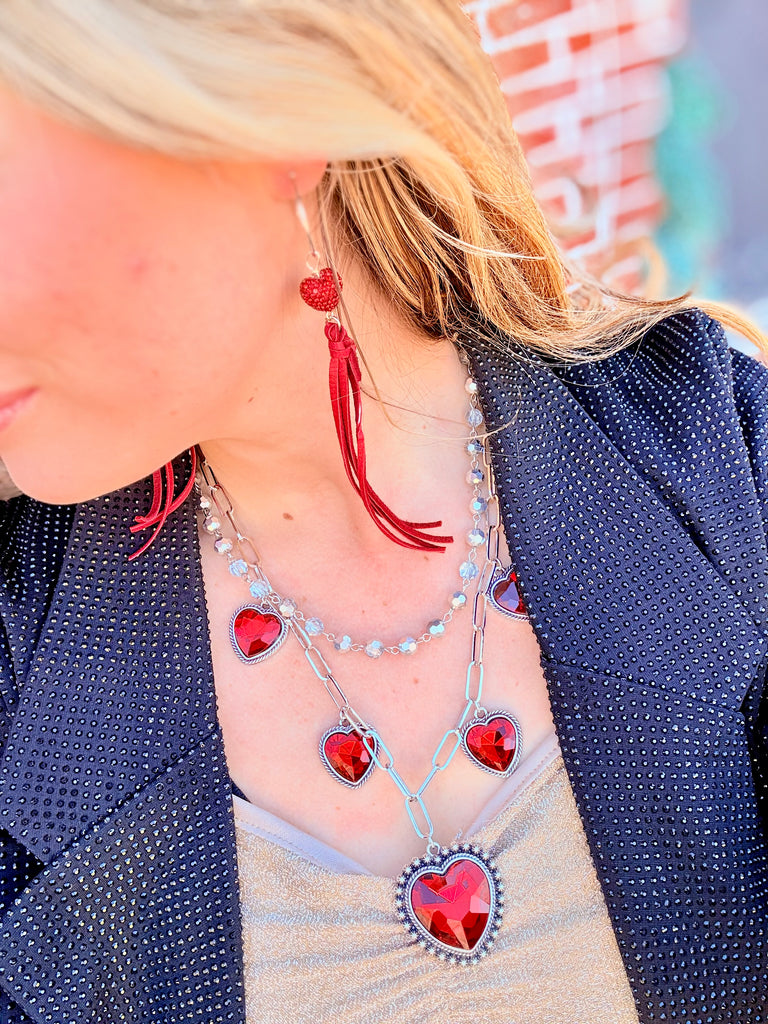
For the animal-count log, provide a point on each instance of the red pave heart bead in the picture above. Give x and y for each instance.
(507, 596)
(454, 906)
(256, 632)
(320, 292)
(493, 743)
(346, 755)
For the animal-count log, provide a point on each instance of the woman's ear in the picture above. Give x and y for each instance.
(296, 176)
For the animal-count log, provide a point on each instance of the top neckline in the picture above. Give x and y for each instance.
(254, 819)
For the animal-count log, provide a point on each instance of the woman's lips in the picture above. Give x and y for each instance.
(11, 404)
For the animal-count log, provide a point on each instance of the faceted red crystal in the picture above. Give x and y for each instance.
(256, 631)
(493, 743)
(347, 755)
(506, 594)
(454, 906)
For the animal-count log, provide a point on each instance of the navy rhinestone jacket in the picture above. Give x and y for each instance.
(635, 500)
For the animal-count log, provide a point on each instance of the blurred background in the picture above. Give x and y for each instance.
(638, 119)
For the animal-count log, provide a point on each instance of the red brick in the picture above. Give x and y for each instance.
(636, 160)
(582, 42)
(639, 59)
(630, 178)
(529, 140)
(511, 17)
(573, 240)
(532, 98)
(521, 58)
(651, 213)
(555, 209)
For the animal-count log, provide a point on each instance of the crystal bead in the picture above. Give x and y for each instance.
(474, 447)
(478, 505)
(258, 589)
(475, 476)
(468, 570)
(223, 545)
(211, 524)
(459, 599)
(407, 646)
(314, 626)
(436, 627)
(374, 649)
(205, 503)
(344, 644)
(474, 417)
(238, 567)
(470, 386)
(475, 538)
(286, 607)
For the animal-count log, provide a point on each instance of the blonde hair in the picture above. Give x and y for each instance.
(425, 185)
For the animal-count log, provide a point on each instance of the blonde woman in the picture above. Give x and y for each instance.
(434, 697)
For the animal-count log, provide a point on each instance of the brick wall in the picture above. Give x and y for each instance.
(586, 89)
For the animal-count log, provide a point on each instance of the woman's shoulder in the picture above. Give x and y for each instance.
(682, 375)
(683, 407)
(688, 351)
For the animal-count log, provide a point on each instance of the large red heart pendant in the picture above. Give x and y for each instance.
(504, 594)
(256, 632)
(492, 741)
(451, 902)
(346, 756)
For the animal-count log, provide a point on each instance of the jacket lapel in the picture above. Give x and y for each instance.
(113, 752)
(649, 601)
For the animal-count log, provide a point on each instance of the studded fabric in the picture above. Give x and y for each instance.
(634, 503)
(634, 494)
(114, 780)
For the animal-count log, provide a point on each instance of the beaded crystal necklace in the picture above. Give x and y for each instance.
(451, 899)
(251, 635)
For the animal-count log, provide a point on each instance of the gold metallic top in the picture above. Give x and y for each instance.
(322, 943)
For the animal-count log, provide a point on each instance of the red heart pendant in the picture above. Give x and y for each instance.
(493, 742)
(346, 756)
(451, 902)
(320, 292)
(505, 596)
(256, 633)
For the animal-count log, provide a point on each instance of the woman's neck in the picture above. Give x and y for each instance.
(280, 460)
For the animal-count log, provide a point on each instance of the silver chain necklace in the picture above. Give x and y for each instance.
(450, 899)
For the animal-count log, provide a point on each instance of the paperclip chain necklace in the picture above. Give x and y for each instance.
(450, 899)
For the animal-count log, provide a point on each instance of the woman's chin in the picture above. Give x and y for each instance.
(53, 488)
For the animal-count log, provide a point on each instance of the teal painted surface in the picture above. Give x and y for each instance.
(697, 192)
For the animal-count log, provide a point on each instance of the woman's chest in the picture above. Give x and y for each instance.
(288, 751)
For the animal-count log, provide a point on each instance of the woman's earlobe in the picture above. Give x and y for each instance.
(297, 176)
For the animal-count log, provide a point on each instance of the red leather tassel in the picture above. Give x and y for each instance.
(159, 512)
(344, 380)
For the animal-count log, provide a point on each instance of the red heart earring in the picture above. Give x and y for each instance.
(322, 291)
